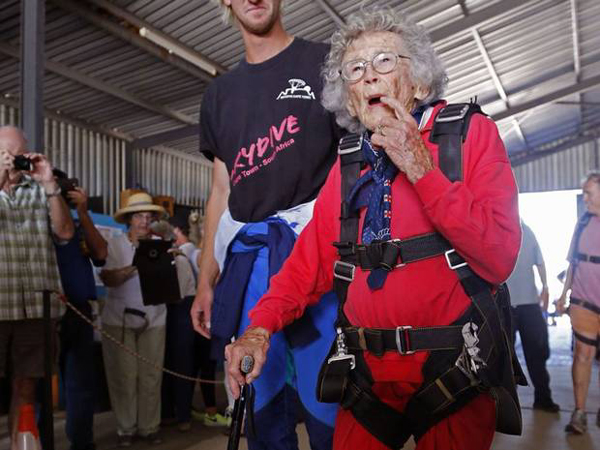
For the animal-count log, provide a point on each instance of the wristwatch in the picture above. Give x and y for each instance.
(55, 193)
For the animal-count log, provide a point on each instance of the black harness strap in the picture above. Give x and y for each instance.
(404, 340)
(585, 339)
(587, 258)
(397, 252)
(585, 304)
(583, 222)
(449, 132)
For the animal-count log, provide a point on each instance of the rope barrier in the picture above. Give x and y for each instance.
(132, 352)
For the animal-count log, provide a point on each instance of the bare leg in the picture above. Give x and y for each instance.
(582, 372)
(23, 393)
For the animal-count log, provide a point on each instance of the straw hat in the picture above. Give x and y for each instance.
(140, 202)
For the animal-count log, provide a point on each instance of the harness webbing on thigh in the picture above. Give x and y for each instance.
(590, 307)
(454, 376)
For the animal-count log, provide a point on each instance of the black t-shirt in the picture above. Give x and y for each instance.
(266, 123)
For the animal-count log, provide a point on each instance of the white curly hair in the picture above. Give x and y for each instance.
(427, 69)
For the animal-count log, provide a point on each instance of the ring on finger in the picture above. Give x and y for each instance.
(380, 129)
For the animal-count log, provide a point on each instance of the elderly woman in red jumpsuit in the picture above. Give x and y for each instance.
(383, 79)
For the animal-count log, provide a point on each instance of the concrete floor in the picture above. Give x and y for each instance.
(541, 431)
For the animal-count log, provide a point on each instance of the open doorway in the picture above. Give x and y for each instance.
(552, 217)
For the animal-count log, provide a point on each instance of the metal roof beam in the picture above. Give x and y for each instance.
(101, 86)
(132, 37)
(576, 88)
(576, 53)
(475, 19)
(167, 136)
(331, 12)
(139, 23)
(497, 83)
(90, 126)
(525, 157)
(493, 73)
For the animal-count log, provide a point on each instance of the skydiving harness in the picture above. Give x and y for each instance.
(470, 356)
(578, 257)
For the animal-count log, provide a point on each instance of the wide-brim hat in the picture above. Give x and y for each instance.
(139, 202)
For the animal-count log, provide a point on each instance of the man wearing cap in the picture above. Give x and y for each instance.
(134, 386)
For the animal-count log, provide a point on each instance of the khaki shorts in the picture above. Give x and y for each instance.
(22, 347)
(585, 321)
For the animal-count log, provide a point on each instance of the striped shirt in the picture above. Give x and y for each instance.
(27, 256)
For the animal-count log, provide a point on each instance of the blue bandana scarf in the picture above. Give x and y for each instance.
(374, 190)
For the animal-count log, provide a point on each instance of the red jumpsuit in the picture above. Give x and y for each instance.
(478, 216)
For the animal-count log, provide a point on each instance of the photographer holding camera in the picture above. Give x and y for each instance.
(76, 360)
(33, 215)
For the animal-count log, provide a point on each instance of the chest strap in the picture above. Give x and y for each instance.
(587, 258)
(405, 339)
(393, 253)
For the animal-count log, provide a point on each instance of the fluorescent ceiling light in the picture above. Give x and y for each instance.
(174, 47)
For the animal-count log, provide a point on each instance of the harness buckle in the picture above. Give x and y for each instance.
(453, 266)
(451, 118)
(344, 271)
(396, 243)
(348, 146)
(403, 340)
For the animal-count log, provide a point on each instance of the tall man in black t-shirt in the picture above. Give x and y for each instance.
(273, 145)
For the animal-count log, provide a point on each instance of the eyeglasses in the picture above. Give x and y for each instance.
(382, 63)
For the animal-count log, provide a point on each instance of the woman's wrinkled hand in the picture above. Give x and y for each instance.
(401, 140)
(255, 343)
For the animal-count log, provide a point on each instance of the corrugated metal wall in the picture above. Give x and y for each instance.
(165, 172)
(98, 161)
(563, 170)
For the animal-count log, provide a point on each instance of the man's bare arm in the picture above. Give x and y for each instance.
(116, 277)
(208, 269)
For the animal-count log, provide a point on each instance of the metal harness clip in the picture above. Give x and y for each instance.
(344, 271)
(402, 340)
(341, 353)
(455, 266)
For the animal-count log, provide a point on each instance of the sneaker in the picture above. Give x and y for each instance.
(216, 420)
(548, 406)
(197, 415)
(578, 423)
(124, 440)
(153, 438)
(184, 426)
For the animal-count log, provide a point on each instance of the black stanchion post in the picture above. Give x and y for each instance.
(47, 431)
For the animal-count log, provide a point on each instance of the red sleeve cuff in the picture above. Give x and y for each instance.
(432, 186)
(265, 320)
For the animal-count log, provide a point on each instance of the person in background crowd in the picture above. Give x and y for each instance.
(134, 386)
(186, 351)
(269, 164)
(583, 283)
(451, 241)
(76, 360)
(528, 318)
(33, 214)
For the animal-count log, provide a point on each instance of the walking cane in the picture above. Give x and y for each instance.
(240, 406)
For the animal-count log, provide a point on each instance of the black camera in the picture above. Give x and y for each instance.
(66, 185)
(22, 163)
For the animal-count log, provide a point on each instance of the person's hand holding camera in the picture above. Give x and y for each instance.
(41, 172)
(78, 198)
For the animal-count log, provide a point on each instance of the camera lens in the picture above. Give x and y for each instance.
(22, 163)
